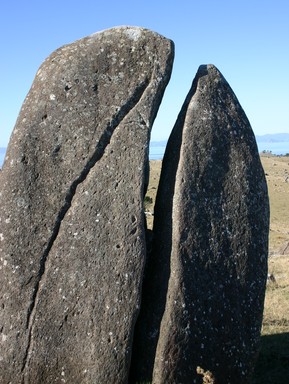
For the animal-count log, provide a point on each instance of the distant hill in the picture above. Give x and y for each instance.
(273, 138)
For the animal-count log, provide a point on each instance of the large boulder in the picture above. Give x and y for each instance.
(205, 282)
(71, 222)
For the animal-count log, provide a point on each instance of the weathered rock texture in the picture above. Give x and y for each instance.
(72, 227)
(205, 284)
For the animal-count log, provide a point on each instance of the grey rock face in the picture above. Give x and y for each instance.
(208, 282)
(72, 225)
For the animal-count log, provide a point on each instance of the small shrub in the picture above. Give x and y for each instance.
(147, 201)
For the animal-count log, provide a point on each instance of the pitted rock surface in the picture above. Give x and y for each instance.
(72, 225)
(206, 285)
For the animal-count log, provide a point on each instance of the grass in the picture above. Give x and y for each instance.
(150, 198)
(277, 175)
(273, 363)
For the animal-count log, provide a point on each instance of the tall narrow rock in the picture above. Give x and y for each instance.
(72, 231)
(209, 265)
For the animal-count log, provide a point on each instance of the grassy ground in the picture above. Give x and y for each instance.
(277, 175)
(155, 171)
(273, 363)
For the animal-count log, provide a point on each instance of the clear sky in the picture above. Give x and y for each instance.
(247, 40)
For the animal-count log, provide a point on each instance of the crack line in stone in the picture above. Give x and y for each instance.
(103, 142)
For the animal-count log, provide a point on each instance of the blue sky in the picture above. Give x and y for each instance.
(247, 40)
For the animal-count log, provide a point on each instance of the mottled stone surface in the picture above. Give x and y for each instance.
(72, 234)
(207, 275)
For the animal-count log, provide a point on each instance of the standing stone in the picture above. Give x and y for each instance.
(71, 223)
(209, 265)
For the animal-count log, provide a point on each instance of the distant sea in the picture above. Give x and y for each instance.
(157, 149)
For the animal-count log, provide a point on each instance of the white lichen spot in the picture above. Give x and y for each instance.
(133, 33)
(1, 237)
(4, 337)
(52, 97)
(20, 202)
(63, 374)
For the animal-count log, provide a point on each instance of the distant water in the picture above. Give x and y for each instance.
(157, 152)
(281, 148)
(157, 149)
